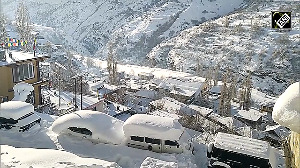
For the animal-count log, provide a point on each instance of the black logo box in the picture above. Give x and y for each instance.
(281, 20)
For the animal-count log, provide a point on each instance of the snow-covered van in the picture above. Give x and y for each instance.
(158, 134)
(18, 115)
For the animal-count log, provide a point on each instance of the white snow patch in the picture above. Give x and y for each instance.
(30, 157)
(287, 108)
(152, 162)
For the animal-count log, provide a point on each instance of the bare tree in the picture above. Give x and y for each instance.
(23, 24)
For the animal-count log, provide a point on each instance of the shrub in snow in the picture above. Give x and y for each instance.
(102, 127)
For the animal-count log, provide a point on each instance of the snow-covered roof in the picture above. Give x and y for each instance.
(278, 129)
(162, 113)
(251, 115)
(244, 145)
(287, 108)
(151, 94)
(18, 56)
(103, 127)
(180, 86)
(153, 127)
(202, 110)
(15, 109)
(173, 106)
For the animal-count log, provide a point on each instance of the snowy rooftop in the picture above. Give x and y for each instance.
(19, 57)
(179, 86)
(146, 94)
(15, 109)
(202, 110)
(153, 126)
(251, 115)
(240, 144)
(103, 127)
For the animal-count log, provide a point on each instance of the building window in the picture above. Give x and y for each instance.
(23, 72)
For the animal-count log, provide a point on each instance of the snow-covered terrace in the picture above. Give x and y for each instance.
(19, 57)
(67, 99)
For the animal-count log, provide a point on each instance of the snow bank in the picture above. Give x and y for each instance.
(153, 126)
(287, 108)
(30, 157)
(15, 109)
(152, 162)
(104, 128)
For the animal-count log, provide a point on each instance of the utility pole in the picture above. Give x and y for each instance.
(81, 92)
(75, 94)
(59, 87)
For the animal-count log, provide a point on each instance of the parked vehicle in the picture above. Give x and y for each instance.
(154, 133)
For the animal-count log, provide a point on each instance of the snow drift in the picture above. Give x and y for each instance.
(104, 128)
(287, 108)
(153, 126)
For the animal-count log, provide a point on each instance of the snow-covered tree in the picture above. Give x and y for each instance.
(23, 24)
(245, 93)
(112, 65)
(2, 29)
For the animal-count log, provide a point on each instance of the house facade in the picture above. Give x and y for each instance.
(16, 67)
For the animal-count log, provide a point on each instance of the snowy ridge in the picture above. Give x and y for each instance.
(137, 26)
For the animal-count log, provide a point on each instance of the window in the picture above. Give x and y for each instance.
(171, 143)
(153, 141)
(23, 72)
(81, 130)
(136, 138)
(156, 141)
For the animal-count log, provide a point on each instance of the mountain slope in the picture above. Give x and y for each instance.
(241, 44)
(135, 26)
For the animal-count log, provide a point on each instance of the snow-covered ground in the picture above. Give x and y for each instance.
(47, 147)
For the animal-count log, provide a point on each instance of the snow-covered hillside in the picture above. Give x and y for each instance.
(137, 26)
(242, 41)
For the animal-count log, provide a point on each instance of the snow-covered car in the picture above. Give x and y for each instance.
(18, 115)
(93, 125)
(158, 134)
